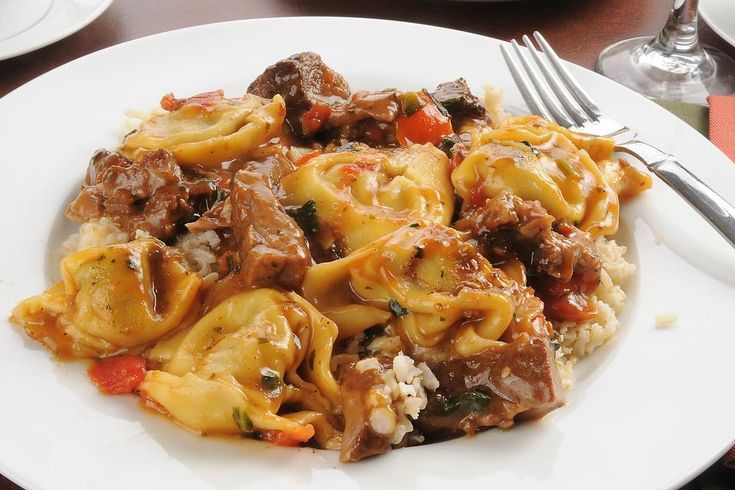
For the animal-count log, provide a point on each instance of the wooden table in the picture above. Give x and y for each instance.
(578, 29)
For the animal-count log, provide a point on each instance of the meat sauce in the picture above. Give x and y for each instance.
(263, 245)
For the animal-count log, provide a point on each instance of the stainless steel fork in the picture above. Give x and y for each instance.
(553, 93)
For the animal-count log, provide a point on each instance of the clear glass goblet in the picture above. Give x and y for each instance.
(673, 65)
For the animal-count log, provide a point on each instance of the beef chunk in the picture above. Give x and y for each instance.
(493, 387)
(564, 267)
(368, 117)
(146, 194)
(219, 215)
(458, 100)
(306, 84)
(359, 440)
(272, 247)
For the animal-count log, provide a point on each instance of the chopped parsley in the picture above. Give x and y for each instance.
(397, 308)
(271, 380)
(233, 265)
(419, 253)
(370, 334)
(411, 103)
(346, 147)
(414, 225)
(242, 420)
(534, 150)
(306, 217)
(469, 401)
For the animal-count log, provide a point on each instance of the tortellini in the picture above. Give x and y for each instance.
(237, 365)
(538, 160)
(427, 282)
(209, 129)
(365, 194)
(111, 299)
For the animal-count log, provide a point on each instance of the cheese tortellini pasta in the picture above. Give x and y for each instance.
(428, 283)
(209, 129)
(111, 300)
(538, 160)
(236, 366)
(365, 194)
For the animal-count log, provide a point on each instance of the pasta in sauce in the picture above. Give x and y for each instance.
(355, 271)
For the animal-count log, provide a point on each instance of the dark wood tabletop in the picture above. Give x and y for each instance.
(578, 30)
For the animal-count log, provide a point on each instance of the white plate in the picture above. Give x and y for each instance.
(720, 16)
(652, 408)
(50, 21)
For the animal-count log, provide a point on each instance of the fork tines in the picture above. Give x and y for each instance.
(553, 93)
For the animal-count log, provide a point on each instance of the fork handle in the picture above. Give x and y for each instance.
(710, 205)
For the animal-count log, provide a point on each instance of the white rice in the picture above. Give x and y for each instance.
(94, 233)
(199, 250)
(402, 395)
(581, 339)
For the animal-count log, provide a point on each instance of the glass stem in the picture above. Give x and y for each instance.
(679, 35)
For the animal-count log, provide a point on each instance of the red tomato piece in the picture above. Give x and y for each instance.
(117, 375)
(288, 438)
(170, 103)
(313, 119)
(427, 125)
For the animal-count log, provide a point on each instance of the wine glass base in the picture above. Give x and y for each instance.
(641, 65)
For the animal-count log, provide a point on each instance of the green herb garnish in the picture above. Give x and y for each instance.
(346, 147)
(306, 217)
(271, 380)
(411, 103)
(242, 420)
(397, 308)
(233, 265)
(370, 334)
(419, 253)
(469, 401)
(534, 150)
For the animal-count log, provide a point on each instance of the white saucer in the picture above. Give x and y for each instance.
(720, 16)
(26, 25)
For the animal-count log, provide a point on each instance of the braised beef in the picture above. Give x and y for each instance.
(562, 261)
(146, 194)
(493, 388)
(309, 87)
(368, 117)
(272, 247)
(458, 100)
(359, 440)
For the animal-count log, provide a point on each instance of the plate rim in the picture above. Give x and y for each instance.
(6, 471)
(67, 31)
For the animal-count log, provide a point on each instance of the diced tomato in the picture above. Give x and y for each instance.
(426, 125)
(477, 196)
(117, 375)
(288, 438)
(170, 103)
(313, 119)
